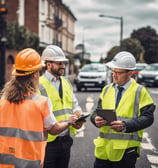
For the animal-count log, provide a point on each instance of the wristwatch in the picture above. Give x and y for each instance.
(124, 127)
(68, 122)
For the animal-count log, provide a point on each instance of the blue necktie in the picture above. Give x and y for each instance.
(119, 95)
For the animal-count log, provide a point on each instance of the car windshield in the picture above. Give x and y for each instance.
(152, 68)
(140, 67)
(93, 68)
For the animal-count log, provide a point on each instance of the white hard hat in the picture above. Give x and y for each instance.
(123, 60)
(53, 53)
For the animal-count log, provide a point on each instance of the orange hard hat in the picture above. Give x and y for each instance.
(27, 61)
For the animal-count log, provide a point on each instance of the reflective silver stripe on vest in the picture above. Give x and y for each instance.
(137, 100)
(43, 90)
(56, 113)
(134, 135)
(62, 112)
(120, 136)
(18, 133)
(107, 87)
(18, 163)
(136, 107)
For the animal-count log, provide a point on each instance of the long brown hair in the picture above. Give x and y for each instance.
(16, 90)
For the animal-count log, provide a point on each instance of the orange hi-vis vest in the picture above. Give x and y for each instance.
(22, 136)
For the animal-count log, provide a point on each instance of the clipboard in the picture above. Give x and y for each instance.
(82, 117)
(107, 114)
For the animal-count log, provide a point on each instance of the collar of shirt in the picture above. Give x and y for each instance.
(53, 80)
(125, 86)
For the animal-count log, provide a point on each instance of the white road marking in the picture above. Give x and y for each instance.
(153, 166)
(147, 145)
(153, 90)
(89, 103)
(89, 106)
(153, 159)
(80, 132)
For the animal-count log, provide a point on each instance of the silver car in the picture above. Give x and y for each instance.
(92, 76)
(149, 76)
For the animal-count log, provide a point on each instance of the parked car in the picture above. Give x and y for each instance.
(92, 76)
(139, 67)
(149, 76)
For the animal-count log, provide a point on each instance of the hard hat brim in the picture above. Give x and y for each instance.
(112, 65)
(61, 59)
(15, 73)
(57, 59)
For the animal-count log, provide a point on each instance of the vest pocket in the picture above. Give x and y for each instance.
(115, 149)
(119, 144)
(100, 148)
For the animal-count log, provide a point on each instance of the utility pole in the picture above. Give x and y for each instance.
(3, 12)
(121, 23)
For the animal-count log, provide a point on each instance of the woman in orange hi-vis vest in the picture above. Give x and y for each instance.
(26, 116)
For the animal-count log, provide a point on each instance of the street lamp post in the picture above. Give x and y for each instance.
(121, 24)
(83, 45)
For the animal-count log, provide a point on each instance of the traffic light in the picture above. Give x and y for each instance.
(3, 9)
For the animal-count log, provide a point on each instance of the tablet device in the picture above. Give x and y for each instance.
(82, 117)
(107, 114)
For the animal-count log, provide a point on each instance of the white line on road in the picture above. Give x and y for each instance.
(153, 159)
(153, 90)
(148, 144)
(153, 166)
(80, 132)
(89, 103)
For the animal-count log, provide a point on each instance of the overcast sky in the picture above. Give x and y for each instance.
(100, 34)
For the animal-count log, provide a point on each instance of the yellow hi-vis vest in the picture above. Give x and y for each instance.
(111, 145)
(62, 108)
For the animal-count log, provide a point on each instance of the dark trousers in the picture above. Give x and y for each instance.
(58, 153)
(128, 161)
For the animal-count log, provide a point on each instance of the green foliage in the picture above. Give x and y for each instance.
(134, 46)
(19, 37)
(143, 44)
(149, 40)
(129, 44)
(112, 52)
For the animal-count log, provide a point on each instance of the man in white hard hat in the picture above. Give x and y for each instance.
(118, 144)
(55, 86)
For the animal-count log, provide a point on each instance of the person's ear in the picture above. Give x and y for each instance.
(36, 75)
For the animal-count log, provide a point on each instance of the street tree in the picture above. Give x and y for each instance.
(129, 44)
(19, 37)
(149, 40)
(134, 46)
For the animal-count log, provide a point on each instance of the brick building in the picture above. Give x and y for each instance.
(51, 20)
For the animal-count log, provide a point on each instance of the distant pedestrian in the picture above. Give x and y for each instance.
(118, 145)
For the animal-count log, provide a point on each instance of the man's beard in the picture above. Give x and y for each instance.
(58, 72)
